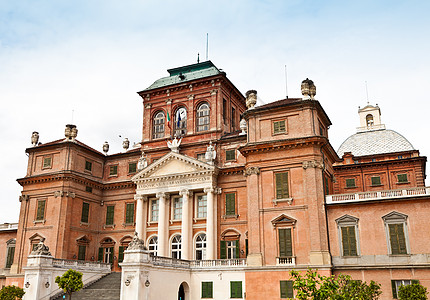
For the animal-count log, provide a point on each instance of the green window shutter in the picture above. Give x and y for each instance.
(237, 249)
(235, 289)
(100, 258)
(10, 256)
(223, 250)
(230, 154)
(349, 243)
(40, 210)
(85, 212)
(290, 293)
(327, 189)
(281, 185)
(402, 178)
(109, 214)
(350, 182)
(230, 204)
(129, 214)
(393, 288)
(207, 289)
(121, 254)
(111, 255)
(132, 167)
(246, 247)
(285, 242)
(397, 239)
(81, 252)
(283, 287)
(376, 180)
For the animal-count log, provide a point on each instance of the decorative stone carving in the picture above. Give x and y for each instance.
(163, 195)
(210, 154)
(209, 189)
(308, 89)
(106, 147)
(70, 194)
(169, 101)
(251, 171)
(312, 164)
(251, 99)
(34, 138)
(143, 162)
(190, 97)
(41, 249)
(148, 105)
(58, 194)
(136, 243)
(71, 132)
(24, 198)
(126, 144)
(214, 92)
(140, 197)
(218, 191)
(243, 126)
(174, 144)
(185, 192)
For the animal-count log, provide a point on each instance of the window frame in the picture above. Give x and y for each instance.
(279, 127)
(40, 217)
(228, 211)
(196, 210)
(207, 286)
(396, 283)
(349, 186)
(87, 215)
(135, 167)
(176, 240)
(206, 118)
(402, 181)
(158, 123)
(113, 170)
(285, 184)
(174, 209)
(182, 130)
(372, 181)
(286, 289)
(127, 211)
(153, 218)
(108, 216)
(396, 218)
(153, 247)
(44, 159)
(10, 254)
(88, 167)
(228, 153)
(344, 222)
(235, 289)
(80, 247)
(203, 247)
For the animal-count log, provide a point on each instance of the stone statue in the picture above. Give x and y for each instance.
(174, 145)
(251, 99)
(210, 154)
(105, 147)
(34, 138)
(308, 89)
(70, 132)
(126, 144)
(142, 163)
(41, 249)
(243, 127)
(136, 243)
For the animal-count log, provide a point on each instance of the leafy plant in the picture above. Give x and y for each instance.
(414, 291)
(70, 282)
(11, 292)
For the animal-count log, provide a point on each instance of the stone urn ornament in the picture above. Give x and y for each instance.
(126, 144)
(243, 126)
(34, 138)
(309, 89)
(251, 99)
(105, 147)
(71, 132)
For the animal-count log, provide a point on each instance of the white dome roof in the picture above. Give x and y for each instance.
(375, 142)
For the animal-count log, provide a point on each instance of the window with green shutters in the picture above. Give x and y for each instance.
(113, 170)
(132, 167)
(235, 289)
(376, 180)
(349, 241)
(121, 253)
(229, 249)
(109, 214)
(230, 204)
(100, 256)
(85, 212)
(40, 214)
(279, 127)
(281, 181)
(10, 256)
(286, 287)
(129, 213)
(350, 182)
(397, 239)
(402, 178)
(285, 242)
(230, 154)
(207, 289)
(88, 165)
(81, 252)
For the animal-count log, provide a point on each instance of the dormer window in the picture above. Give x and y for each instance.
(203, 118)
(369, 120)
(158, 128)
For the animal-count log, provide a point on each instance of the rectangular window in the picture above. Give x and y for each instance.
(177, 208)
(88, 189)
(230, 204)
(132, 167)
(229, 249)
(47, 162)
(154, 210)
(40, 210)
(88, 165)
(113, 170)
(109, 214)
(10, 256)
(81, 252)
(279, 127)
(201, 206)
(285, 242)
(235, 289)
(349, 242)
(207, 289)
(402, 178)
(376, 180)
(230, 154)
(326, 186)
(282, 191)
(201, 156)
(286, 287)
(224, 110)
(350, 182)
(397, 239)
(129, 213)
(395, 285)
(85, 212)
(233, 115)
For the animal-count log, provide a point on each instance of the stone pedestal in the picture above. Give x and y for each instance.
(135, 273)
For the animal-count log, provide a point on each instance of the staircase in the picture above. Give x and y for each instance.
(106, 288)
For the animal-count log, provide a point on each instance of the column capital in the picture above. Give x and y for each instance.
(186, 192)
(251, 171)
(141, 197)
(162, 195)
(209, 189)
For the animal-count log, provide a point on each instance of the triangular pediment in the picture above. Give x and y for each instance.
(283, 220)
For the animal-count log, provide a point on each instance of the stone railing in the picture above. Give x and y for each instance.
(8, 226)
(235, 262)
(370, 128)
(378, 195)
(80, 264)
(286, 261)
(167, 261)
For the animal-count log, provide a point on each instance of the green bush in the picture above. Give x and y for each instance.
(11, 292)
(70, 282)
(414, 291)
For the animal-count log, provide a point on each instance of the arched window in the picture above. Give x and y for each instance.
(176, 246)
(180, 122)
(203, 117)
(369, 120)
(153, 245)
(158, 129)
(201, 246)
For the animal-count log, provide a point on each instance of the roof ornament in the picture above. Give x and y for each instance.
(136, 243)
(174, 145)
(34, 138)
(70, 132)
(126, 144)
(308, 89)
(243, 126)
(210, 154)
(105, 147)
(41, 249)
(251, 99)
(142, 163)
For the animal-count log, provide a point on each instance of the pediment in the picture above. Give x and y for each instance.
(283, 220)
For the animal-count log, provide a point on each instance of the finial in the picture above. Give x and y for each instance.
(308, 89)
(251, 99)
(70, 132)
(125, 144)
(34, 138)
(198, 57)
(243, 127)
(106, 147)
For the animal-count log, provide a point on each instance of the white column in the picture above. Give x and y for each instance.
(140, 216)
(162, 224)
(210, 228)
(186, 229)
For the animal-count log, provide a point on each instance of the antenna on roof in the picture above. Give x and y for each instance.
(207, 46)
(367, 94)
(198, 57)
(286, 82)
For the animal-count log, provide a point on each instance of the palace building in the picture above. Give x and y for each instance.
(221, 199)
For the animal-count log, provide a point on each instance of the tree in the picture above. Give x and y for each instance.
(318, 287)
(70, 282)
(414, 291)
(11, 292)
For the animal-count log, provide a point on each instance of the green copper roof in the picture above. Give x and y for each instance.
(186, 73)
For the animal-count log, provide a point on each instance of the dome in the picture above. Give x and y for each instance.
(374, 142)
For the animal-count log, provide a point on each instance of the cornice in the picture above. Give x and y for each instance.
(378, 164)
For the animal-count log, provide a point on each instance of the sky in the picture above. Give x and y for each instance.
(83, 61)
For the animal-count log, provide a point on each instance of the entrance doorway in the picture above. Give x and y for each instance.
(181, 293)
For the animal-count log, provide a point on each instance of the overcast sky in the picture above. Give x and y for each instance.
(92, 56)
